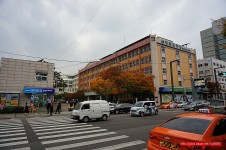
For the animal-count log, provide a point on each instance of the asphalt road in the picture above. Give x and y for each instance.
(60, 132)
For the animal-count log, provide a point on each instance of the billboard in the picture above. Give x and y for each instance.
(28, 90)
(199, 82)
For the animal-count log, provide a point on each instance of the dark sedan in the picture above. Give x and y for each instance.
(194, 106)
(122, 108)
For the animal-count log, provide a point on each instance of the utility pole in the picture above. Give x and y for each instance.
(171, 74)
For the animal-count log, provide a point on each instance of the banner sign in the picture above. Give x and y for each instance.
(177, 89)
(39, 90)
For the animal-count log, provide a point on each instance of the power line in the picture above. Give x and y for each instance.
(82, 30)
(72, 61)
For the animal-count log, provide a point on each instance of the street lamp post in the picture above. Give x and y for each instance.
(171, 74)
(215, 75)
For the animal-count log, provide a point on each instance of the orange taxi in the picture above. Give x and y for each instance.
(191, 131)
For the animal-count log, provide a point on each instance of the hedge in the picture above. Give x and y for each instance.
(13, 109)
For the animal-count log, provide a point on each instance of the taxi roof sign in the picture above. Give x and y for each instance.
(205, 111)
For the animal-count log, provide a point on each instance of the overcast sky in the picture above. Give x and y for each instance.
(87, 30)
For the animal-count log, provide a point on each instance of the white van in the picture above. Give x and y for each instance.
(142, 108)
(93, 109)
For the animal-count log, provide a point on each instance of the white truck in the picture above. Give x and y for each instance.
(93, 109)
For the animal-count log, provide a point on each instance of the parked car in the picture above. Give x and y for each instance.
(194, 106)
(181, 104)
(205, 102)
(218, 106)
(122, 108)
(93, 109)
(142, 108)
(112, 107)
(168, 105)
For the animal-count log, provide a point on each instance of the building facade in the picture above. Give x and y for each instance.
(71, 82)
(24, 81)
(206, 70)
(152, 56)
(213, 42)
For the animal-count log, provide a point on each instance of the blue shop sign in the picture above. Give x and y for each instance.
(38, 91)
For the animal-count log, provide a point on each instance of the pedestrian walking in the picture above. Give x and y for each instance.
(26, 109)
(32, 107)
(75, 102)
(58, 108)
(48, 104)
(51, 108)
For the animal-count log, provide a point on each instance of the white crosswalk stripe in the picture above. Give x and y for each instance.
(56, 133)
(12, 133)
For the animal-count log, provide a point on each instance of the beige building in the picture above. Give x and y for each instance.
(24, 81)
(152, 56)
(71, 82)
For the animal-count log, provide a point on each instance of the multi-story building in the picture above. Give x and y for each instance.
(71, 82)
(151, 55)
(24, 81)
(206, 70)
(213, 42)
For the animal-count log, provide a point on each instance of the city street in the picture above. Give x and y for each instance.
(60, 132)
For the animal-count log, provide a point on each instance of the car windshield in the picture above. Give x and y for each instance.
(185, 124)
(78, 106)
(138, 104)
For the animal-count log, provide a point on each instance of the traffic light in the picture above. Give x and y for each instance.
(222, 74)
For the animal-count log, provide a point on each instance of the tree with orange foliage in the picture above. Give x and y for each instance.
(115, 82)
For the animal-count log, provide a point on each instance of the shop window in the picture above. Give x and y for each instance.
(165, 82)
(41, 76)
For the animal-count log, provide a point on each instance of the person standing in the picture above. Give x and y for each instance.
(58, 108)
(51, 108)
(26, 108)
(48, 106)
(1, 107)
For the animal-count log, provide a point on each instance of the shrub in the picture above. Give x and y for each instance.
(13, 109)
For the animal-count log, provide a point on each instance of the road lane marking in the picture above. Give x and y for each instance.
(13, 143)
(119, 146)
(14, 131)
(4, 129)
(77, 138)
(23, 148)
(62, 128)
(87, 143)
(64, 131)
(13, 139)
(52, 126)
(69, 134)
(11, 135)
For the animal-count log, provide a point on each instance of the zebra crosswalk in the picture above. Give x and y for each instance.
(59, 133)
(13, 135)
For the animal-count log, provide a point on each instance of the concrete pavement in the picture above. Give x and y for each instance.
(40, 112)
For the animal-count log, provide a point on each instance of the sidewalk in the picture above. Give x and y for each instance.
(40, 112)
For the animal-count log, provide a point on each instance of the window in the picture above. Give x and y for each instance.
(177, 53)
(86, 106)
(180, 83)
(164, 70)
(191, 125)
(206, 64)
(179, 73)
(178, 63)
(163, 59)
(163, 49)
(190, 65)
(220, 128)
(199, 65)
(165, 82)
(200, 72)
(41, 76)
(189, 55)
